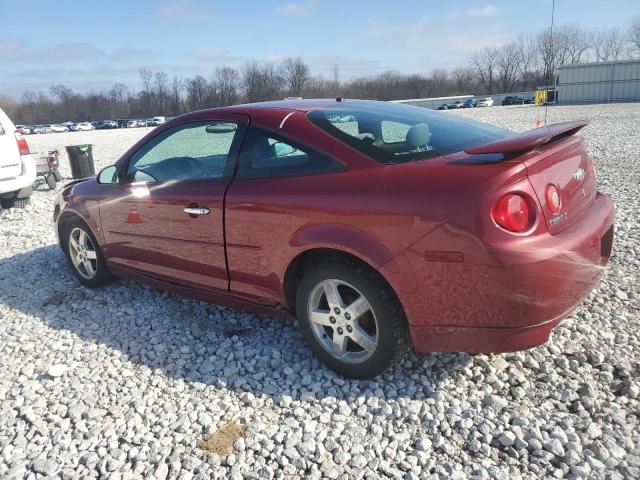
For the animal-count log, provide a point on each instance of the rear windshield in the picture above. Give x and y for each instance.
(395, 133)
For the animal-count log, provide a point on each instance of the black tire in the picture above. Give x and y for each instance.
(102, 274)
(51, 181)
(14, 202)
(390, 320)
(57, 175)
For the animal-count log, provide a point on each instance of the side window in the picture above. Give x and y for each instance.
(266, 154)
(393, 132)
(193, 151)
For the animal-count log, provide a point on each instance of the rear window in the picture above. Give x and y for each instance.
(395, 133)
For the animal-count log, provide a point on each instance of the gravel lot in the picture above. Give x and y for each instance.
(128, 382)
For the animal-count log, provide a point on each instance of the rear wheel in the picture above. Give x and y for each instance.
(351, 319)
(84, 255)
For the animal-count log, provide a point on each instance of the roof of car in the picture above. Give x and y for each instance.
(302, 105)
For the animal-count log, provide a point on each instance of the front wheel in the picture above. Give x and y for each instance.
(84, 255)
(351, 319)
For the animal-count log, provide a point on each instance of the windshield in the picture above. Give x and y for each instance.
(395, 133)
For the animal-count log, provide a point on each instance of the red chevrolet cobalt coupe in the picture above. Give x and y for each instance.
(375, 224)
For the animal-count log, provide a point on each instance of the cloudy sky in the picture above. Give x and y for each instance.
(90, 45)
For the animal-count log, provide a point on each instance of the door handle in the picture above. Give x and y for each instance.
(196, 210)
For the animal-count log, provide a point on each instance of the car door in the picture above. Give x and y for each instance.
(269, 199)
(165, 216)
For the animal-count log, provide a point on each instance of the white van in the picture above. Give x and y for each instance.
(17, 168)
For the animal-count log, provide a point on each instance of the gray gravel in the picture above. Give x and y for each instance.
(125, 382)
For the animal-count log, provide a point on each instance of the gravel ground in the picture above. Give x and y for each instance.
(128, 382)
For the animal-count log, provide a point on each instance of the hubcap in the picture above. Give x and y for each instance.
(82, 253)
(343, 321)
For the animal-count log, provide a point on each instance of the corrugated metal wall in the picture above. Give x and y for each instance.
(599, 82)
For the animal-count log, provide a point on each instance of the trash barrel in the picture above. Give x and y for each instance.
(81, 160)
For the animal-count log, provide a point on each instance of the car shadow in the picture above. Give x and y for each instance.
(198, 342)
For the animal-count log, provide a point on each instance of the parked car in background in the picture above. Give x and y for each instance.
(17, 168)
(443, 107)
(528, 100)
(55, 128)
(82, 127)
(512, 100)
(470, 103)
(44, 128)
(455, 105)
(370, 232)
(107, 125)
(485, 102)
(24, 129)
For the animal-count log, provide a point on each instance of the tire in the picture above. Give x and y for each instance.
(384, 323)
(57, 175)
(98, 275)
(14, 202)
(51, 181)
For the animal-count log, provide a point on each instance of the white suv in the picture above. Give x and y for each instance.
(17, 168)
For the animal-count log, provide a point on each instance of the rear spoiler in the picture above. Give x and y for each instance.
(522, 142)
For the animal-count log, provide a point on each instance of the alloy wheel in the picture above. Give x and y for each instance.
(343, 321)
(83, 253)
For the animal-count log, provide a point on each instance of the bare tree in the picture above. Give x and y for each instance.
(609, 44)
(146, 95)
(633, 33)
(161, 92)
(176, 95)
(118, 97)
(227, 81)
(484, 63)
(296, 74)
(196, 88)
(463, 79)
(575, 43)
(551, 53)
(507, 66)
(527, 52)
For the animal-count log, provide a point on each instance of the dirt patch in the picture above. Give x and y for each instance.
(221, 441)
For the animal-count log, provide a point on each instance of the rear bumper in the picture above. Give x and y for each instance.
(514, 301)
(25, 179)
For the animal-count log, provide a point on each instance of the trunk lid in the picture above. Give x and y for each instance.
(565, 165)
(10, 163)
(552, 156)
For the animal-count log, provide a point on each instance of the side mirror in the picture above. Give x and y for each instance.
(108, 175)
(281, 149)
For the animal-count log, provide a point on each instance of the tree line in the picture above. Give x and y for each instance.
(521, 65)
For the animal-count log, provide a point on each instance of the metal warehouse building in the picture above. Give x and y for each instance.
(617, 81)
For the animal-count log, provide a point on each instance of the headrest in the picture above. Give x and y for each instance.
(419, 135)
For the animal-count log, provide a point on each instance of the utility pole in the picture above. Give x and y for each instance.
(336, 74)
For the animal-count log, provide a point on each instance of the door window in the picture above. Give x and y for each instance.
(266, 154)
(194, 151)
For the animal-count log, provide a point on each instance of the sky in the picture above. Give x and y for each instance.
(91, 45)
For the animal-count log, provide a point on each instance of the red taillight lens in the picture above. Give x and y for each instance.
(553, 198)
(511, 212)
(22, 144)
(593, 169)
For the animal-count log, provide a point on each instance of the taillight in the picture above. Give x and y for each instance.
(22, 144)
(593, 169)
(553, 198)
(511, 212)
